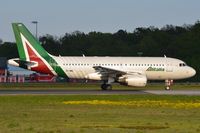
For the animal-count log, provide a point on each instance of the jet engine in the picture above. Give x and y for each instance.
(132, 80)
(95, 76)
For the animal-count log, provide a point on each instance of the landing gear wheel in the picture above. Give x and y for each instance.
(106, 87)
(167, 88)
(109, 87)
(103, 86)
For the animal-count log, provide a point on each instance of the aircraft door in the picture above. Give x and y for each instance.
(169, 67)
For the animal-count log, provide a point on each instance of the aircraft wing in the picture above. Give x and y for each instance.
(111, 71)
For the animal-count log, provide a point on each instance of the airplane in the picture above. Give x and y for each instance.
(130, 71)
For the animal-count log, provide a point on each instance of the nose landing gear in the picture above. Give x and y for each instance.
(168, 84)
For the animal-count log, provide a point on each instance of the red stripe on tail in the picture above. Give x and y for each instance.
(42, 67)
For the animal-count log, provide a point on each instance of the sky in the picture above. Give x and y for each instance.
(57, 17)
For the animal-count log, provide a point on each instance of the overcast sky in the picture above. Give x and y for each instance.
(56, 17)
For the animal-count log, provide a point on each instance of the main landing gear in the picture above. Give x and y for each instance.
(107, 84)
(168, 84)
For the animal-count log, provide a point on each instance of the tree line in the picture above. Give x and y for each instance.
(181, 42)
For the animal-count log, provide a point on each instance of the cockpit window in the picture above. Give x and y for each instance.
(182, 64)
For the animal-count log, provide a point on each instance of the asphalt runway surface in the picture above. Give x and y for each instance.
(99, 92)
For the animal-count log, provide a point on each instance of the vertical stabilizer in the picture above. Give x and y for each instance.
(32, 55)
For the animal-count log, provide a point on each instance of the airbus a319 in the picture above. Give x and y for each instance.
(131, 71)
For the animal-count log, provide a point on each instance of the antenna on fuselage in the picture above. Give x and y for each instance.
(165, 56)
(83, 55)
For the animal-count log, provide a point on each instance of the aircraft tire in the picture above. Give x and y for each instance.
(167, 88)
(106, 87)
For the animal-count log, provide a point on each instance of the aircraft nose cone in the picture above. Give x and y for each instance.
(192, 72)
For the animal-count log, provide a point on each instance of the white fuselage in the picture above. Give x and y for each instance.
(155, 68)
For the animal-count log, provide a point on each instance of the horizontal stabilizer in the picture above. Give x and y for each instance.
(22, 63)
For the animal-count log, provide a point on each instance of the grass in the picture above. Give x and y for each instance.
(50, 114)
(89, 86)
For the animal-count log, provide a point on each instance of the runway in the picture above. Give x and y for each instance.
(99, 92)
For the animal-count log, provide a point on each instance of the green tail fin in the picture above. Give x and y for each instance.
(23, 36)
(32, 55)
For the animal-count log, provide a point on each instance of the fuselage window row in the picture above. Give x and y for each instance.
(115, 65)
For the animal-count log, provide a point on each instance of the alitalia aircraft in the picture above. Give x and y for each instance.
(131, 71)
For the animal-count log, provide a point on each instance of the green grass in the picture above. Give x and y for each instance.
(87, 86)
(48, 114)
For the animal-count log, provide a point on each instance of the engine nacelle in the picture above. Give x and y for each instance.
(136, 81)
(94, 76)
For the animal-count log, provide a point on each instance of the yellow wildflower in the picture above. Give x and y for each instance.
(139, 103)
